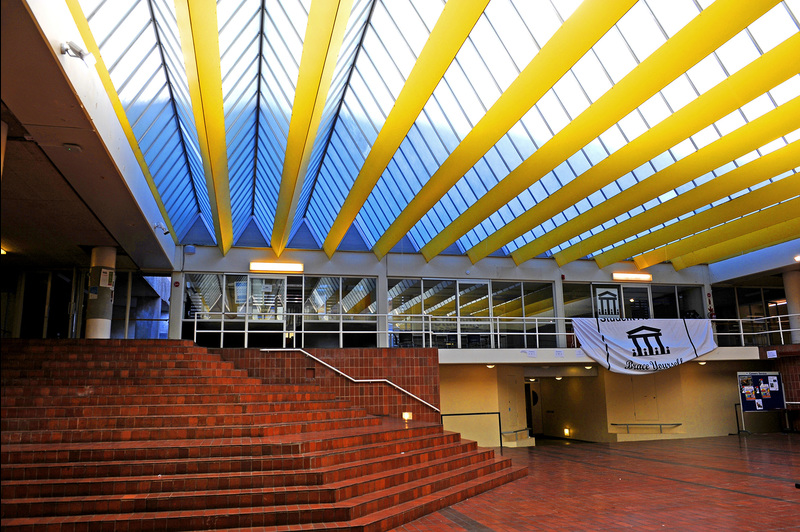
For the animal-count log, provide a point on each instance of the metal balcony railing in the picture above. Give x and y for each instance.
(296, 330)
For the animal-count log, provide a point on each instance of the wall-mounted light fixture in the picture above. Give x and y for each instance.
(490, 366)
(630, 276)
(2, 251)
(797, 258)
(73, 49)
(408, 416)
(276, 267)
(559, 378)
(566, 432)
(702, 362)
(587, 367)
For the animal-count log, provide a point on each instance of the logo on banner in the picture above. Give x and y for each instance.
(646, 334)
(608, 304)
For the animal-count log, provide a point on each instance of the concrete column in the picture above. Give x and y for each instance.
(559, 311)
(102, 275)
(382, 293)
(791, 285)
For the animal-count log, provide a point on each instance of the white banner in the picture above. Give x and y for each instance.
(638, 346)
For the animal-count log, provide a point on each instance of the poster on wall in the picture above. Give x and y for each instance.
(641, 346)
(761, 391)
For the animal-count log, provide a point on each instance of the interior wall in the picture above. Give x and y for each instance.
(701, 398)
(576, 403)
(467, 388)
(511, 397)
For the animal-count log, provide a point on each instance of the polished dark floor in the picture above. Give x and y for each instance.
(729, 483)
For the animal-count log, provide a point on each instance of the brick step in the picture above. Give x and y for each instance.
(299, 487)
(155, 389)
(219, 462)
(283, 449)
(212, 370)
(173, 420)
(244, 509)
(289, 400)
(66, 352)
(406, 512)
(231, 407)
(51, 382)
(186, 432)
(45, 364)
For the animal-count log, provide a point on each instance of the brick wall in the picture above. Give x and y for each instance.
(415, 370)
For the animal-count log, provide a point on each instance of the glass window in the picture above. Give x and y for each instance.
(665, 303)
(577, 300)
(750, 303)
(405, 296)
(235, 296)
(636, 302)
(358, 295)
(321, 298)
(690, 302)
(203, 293)
(267, 300)
(508, 312)
(439, 303)
(439, 297)
(724, 302)
(473, 299)
(538, 299)
(776, 301)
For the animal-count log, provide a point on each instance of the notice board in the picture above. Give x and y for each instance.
(761, 391)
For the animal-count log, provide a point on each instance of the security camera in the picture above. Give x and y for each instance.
(160, 225)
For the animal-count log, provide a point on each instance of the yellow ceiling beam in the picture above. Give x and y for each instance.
(448, 35)
(574, 38)
(680, 233)
(702, 35)
(739, 142)
(119, 110)
(751, 174)
(769, 70)
(759, 234)
(327, 22)
(199, 34)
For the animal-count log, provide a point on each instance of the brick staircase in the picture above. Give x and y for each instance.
(165, 435)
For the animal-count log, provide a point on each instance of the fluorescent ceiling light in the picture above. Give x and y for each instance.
(627, 276)
(276, 267)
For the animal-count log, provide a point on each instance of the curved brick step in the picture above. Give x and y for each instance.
(184, 492)
(217, 458)
(116, 374)
(185, 432)
(207, 380)
(114, 363)
(198, 420)
(243, 510)
(166, 477)
(227, 405)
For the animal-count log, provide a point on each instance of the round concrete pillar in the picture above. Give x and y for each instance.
(101, 293)
(791, 285)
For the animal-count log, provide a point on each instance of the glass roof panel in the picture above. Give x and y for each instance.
(261, 43)
(142, 57)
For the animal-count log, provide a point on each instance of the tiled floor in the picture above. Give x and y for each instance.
(728, 483)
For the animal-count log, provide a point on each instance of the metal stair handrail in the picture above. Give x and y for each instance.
(351, 379)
